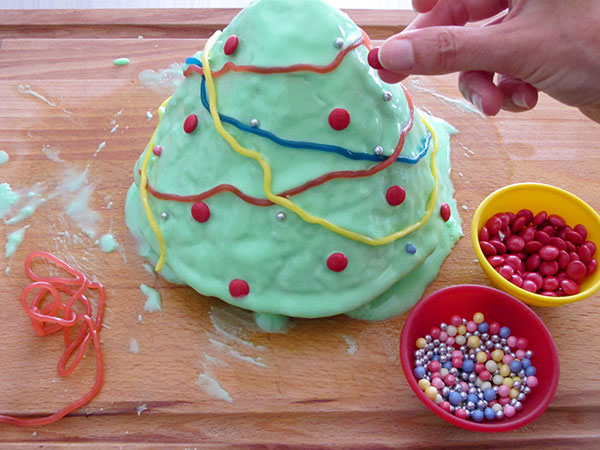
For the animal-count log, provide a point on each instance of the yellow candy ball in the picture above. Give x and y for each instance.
(497, 355)
(473, 341)
(478, 317)
(508, 382)
(424, 384)
(431, 392)
(462, 329)
(505, 370)
(421, 342)
(514, 393)
(481, 357)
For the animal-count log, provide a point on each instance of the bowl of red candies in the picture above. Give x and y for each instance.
(479, 358)
(538, 243)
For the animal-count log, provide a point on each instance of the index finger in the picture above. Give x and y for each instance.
(458, 12)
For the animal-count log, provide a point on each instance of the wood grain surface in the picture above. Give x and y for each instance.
(332, 382)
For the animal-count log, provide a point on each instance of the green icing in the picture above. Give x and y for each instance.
(284, 261)
(3, 157)
(13, 240)
(121, 61)
(7, 199)
(153, 301)
(271, 323)
(108, 243)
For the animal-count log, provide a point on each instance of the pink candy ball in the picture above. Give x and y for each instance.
(455, 320)
(443, 336)
(511, 341)
(437, 383)
(531, 381)
(471, 326)
(503, 390)
(460, 413)
(520, 354)
(509, 411)
(507, 359)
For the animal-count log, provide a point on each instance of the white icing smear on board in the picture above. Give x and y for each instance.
(141, 408)
(162, 80)
(99, 149)
(134, 346)
(212, 387)
(232, 323)
(153, 300)
(52, 153)
(233, 352)
(352, 344)
(25, 89)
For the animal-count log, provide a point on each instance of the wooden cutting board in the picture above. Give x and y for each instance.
(333, 382)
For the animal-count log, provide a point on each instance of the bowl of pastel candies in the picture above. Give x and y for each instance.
(538, 243)
(479, 358)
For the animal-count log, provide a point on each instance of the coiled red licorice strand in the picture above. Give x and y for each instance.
(45, 320)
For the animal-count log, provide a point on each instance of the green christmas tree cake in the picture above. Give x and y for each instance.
(286, 178)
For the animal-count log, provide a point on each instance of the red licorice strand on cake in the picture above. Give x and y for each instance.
(56, 315)
(298, 189)
(304, 67)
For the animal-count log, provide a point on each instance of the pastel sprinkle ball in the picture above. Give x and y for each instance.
(474, 369)
(239, 288)
(190, 123)
(539, 253)
(373, 59)
(121, 61)
(395, 195)
(231, 45)
(337, 262)
(339, 119)
(200, 212)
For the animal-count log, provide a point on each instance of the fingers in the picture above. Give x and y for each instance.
(454, 12)
(518, 95)
(441, 50)
(390, 77)
(479, 89)
(511, 94)
(423, 6)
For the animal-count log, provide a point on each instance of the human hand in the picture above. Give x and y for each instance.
(546, 45)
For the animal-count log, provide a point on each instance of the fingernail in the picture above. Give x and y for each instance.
(518, 99)
(478, 102)
(397, 55)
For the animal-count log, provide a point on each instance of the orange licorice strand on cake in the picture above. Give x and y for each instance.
(59, 315)
(303, 187)
(303, 67)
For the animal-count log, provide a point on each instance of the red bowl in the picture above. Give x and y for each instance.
(465, 300)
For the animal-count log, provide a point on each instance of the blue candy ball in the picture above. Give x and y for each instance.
(454, 398)
(504, 332)
(489, 394)
(526, 363)
(477, 415)
(515, 366)
(472, 398)
(489, 413)
(435, 358)
(468, 365)
(419, 372)
(447, 365)
(483, 327)
(530, 371)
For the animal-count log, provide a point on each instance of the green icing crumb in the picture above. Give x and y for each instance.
(3, 157)
(121, 61)
(13, 241)
(153, 303)
(271, 323)
(108, 243)
(7, 199)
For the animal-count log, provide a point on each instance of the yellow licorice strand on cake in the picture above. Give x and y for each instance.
(282, 201)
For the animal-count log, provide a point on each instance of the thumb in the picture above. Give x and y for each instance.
(441, 50)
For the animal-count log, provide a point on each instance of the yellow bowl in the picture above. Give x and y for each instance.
(538, 197)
